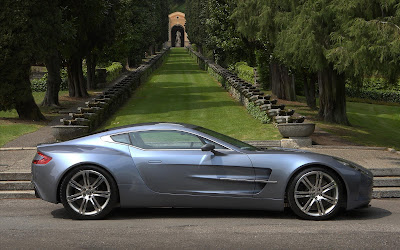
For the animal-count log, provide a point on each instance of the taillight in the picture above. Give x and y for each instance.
(44, 160)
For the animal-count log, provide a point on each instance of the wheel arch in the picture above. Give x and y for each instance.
(311, 165)
(80, 165)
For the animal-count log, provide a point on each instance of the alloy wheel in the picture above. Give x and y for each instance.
(316, 193)
(88, 192)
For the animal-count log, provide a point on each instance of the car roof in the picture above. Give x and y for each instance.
(150, 125)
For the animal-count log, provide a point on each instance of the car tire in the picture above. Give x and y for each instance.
(315, 194)
(88, 192)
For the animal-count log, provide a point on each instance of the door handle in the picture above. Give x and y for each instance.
(154, 162)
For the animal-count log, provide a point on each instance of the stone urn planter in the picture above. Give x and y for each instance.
(296, 129)
(68, 132)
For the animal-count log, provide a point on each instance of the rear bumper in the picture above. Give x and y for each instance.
(44, 184)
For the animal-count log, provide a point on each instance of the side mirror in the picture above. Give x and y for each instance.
(208, 147)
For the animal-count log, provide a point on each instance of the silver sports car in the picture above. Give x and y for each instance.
(182, 165)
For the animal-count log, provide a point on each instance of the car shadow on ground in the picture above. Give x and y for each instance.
(165, 213)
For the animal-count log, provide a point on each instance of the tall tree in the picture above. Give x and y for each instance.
(52, 15)
(227, 44)
(256, 20)
(88, 20)
(303, 41)
(20, 40)
(196, 16)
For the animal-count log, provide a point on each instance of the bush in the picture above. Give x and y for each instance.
(113, 71)
(194, 47)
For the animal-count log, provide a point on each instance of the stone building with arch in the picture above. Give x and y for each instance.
(177, 31)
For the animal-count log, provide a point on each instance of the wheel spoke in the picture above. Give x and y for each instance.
(75, 185)
(95, 204)
(329, 199)
(307, 183)
(308, 205)
(74, 197)
(320, 207)
(97, 182)
(104, 194)
(83, 206)
(86, 180)
(318, 180)
(302, 194)
(328, 187)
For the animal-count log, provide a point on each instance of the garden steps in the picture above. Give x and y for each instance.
(19, 186)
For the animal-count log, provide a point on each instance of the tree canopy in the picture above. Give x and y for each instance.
(329, 41)
(52, 32)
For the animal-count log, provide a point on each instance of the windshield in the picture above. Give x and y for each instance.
(230, 140)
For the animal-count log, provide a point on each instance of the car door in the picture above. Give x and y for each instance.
(171, 161)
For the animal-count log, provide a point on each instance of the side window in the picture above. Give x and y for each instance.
(160, 139)
(122, 138)
(217, 146)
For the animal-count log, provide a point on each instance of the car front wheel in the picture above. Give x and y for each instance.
(88, 192)
(315, 194)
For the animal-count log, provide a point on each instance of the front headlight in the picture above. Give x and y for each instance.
(355, 166)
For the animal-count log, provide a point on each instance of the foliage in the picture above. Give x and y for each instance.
(194, 47)
(139, 25)
(223, 39)
(177, 5)
(196, 16)
(113, 71)
(263, 61)
(257, 113)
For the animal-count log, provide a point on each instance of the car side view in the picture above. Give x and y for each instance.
(183, 165)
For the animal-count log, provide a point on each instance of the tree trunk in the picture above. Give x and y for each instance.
(53, 63)
(91, 71)
(310, 80)
(282, 84)
(76, 81)
(25, 105)
(332, 96)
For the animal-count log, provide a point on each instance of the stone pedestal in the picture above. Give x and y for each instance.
(296, 129)
(296, 142)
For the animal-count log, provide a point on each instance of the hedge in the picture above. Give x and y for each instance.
(244, 71)
(39, 85)
(377, 95)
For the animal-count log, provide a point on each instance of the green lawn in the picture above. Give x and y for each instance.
(180, 92)
(372, 124)
(11, 127)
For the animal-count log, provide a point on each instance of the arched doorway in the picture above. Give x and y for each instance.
(177, 32)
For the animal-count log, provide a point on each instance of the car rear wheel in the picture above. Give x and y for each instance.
(315, 194)
(88, 192)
